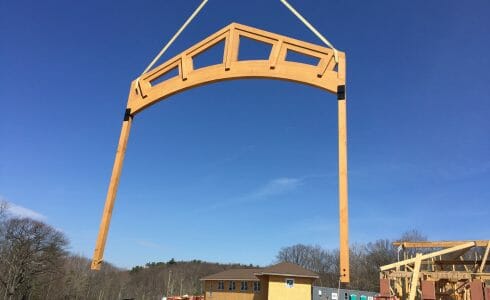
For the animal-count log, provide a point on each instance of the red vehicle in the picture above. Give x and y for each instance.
(185, 297)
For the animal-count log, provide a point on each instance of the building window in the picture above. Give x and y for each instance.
(256, 286)
(244, 286)
(221, 285)
(289, 283)
(231, 287)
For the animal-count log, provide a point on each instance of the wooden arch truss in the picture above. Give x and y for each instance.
(156, 85)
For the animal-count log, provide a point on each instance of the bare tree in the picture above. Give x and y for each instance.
(365, 260)
(412, 236)
(298, 254)
(324, 262)
(31, 253)
(3, 210)
(378, 253)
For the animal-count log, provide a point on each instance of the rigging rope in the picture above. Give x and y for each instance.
(201, 6)
(310, 27)
(176, 35)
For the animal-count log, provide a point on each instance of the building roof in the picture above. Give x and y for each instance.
(288, 269)
(282, 269)
(234, 274)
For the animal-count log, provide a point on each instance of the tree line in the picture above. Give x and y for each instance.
(35, 264)
(365, 260)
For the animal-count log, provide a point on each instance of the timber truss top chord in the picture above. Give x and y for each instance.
(327, 74)
(438, 244)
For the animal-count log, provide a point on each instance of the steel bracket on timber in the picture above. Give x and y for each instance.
(328, 74)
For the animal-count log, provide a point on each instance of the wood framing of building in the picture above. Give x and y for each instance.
(154, 86)
(438, 270)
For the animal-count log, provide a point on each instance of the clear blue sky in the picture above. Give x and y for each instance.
(232, 172)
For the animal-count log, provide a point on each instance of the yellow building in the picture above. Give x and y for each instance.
(284, 281)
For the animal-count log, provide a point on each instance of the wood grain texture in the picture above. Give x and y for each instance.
(326, 75)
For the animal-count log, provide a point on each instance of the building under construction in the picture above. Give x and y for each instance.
(438, 270)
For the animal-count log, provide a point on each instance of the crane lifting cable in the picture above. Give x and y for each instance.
(312, 28)
(172, 40)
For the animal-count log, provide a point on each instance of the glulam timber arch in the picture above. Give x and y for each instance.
(328, 73)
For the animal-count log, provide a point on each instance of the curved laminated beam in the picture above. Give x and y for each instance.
(151, 87)
(327, 74)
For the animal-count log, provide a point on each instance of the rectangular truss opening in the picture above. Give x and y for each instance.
(251, 49)
(173, 72)
(210, 56)
(295, 56)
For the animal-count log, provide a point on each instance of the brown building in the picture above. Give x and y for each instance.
(284, 281)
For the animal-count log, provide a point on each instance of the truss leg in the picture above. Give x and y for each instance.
(111, 192)
(343, 198)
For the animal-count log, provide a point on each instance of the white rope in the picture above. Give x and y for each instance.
(176, 35)
(200, 7)
(310, 27)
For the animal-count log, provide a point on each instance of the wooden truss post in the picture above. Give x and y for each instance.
(112, 191)
(343, 192)
(415, 277)
(484, 258)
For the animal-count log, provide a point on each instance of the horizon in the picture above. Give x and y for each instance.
(14, 211)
